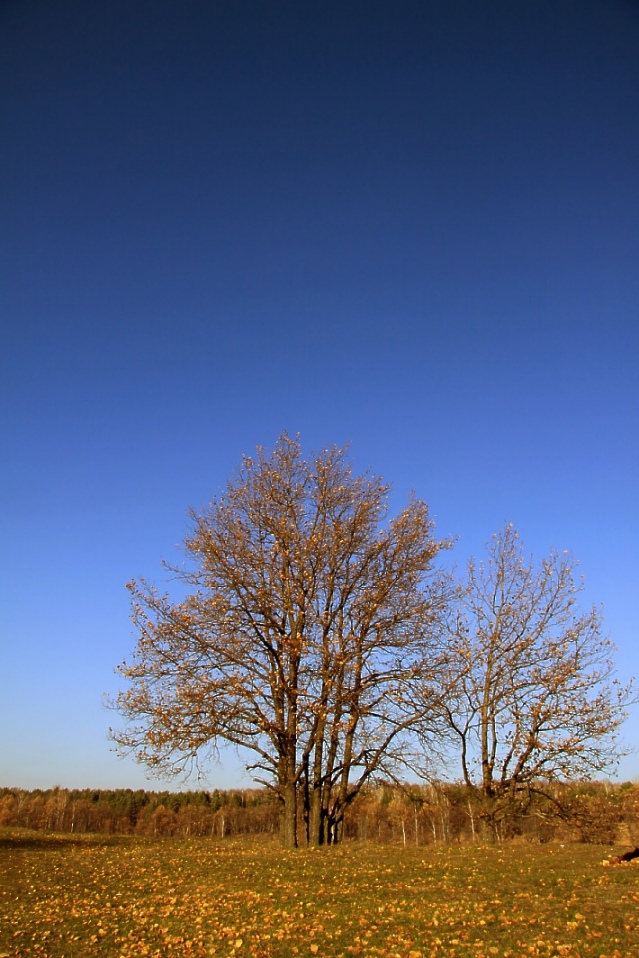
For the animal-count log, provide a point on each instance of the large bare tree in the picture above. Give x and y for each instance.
(532, 694)
(306, 617)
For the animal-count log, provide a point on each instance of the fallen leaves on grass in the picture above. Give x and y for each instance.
(252, 900)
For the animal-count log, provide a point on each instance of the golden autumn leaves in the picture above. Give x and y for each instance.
(75, 898)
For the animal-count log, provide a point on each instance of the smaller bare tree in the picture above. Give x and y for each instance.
(533, 696)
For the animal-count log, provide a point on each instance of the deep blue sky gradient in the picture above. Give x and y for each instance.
(412, 226)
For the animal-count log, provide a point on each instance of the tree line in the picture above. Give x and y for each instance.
(140, 812)
(323, 636)
(597, 812)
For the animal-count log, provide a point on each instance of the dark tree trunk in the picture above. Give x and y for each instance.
(288, 816)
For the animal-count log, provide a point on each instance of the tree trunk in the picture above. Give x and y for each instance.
(288, 816)
(317, 819)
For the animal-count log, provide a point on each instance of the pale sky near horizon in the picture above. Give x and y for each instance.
(411, 226)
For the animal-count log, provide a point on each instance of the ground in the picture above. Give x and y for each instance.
(65, 897)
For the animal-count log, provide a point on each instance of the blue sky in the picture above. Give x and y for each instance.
(411, 226)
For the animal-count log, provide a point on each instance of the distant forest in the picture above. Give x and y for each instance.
(596, 812)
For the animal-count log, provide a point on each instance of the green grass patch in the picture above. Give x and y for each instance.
(65, 897)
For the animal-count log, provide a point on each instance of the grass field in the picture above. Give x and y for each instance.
(70, 897)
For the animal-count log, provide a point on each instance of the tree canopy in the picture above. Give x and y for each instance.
(309, 619)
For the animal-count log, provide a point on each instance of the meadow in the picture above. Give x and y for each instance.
(65, 897)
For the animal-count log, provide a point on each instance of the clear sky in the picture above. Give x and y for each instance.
(412, 226)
